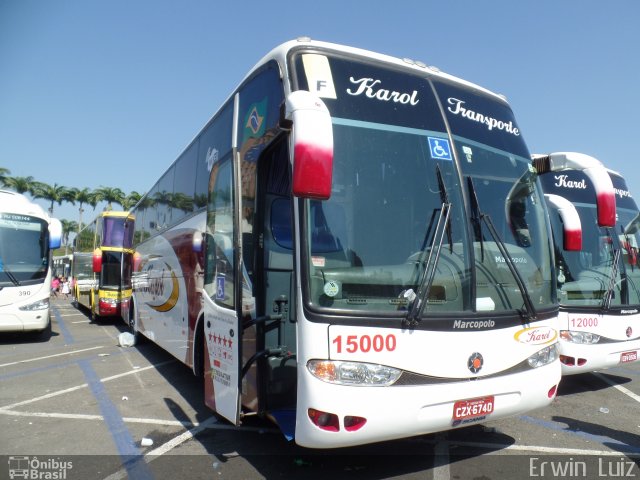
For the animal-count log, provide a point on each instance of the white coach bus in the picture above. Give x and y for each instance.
(356, 247)
(27, 237)
(599, 286)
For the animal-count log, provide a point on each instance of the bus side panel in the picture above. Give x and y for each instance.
(167, 288)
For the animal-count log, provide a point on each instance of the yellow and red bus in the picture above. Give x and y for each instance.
(102, 264)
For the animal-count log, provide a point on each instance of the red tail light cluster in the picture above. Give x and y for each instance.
(571, 361)
(331, 422)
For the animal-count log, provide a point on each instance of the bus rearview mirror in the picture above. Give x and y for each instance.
(311, 143)
(571, 224)
(55, 234)
(97, 261)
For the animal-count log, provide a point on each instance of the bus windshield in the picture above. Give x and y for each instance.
(605, 272)
(118, 232)
(111, 273)
(24, 247)
(396, 170)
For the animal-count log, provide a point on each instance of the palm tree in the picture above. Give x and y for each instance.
(110, 195)
(55, 193)
(4, 172)
(83, 196)
(131, 200)
(68, 226)
(19, 184)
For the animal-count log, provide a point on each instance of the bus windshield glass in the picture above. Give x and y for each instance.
(111, 274)
(24, 248)
(606, 269)
(371, 247)
(118, 232)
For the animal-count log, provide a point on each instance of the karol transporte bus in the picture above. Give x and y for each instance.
(599, 286)
(28, 235)
(334, 250)
(102, 263)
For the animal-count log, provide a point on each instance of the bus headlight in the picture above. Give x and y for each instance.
(586, 338)
(544, 357)
(39, 305)
(353, 373)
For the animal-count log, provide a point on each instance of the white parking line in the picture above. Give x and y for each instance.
(51, 356)
(78, 387)
(618, 387)
(165, 447)
(541, 449)
(81, 416)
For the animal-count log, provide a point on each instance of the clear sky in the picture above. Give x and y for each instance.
(108, 92)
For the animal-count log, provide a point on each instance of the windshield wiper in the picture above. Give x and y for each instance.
(419, 300)
(530, 311)
(444, 198)
(608, 295)
(11, 276)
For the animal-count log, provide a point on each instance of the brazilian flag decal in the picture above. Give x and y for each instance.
(255, 121)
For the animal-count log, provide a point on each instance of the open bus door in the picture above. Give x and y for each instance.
(230, 309)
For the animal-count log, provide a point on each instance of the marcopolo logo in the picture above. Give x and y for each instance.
(38, 468)
(474, 324)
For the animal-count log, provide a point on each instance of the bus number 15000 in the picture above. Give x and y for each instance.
(365, 343)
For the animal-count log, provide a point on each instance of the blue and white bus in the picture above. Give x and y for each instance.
(27, 237)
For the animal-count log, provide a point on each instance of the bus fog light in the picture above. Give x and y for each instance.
(324, 420)
(353, 373)
(352, 423)
(543, 357)
(39, 305)
(585, 338)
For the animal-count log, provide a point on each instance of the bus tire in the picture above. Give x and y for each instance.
(132, 325)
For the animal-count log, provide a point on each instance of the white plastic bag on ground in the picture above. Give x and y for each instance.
(125, 339)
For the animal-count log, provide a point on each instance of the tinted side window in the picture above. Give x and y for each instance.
(163, 198)
(219, 268)
(214, 144)
(184, 183)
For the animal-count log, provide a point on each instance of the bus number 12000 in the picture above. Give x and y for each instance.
(365, 343)
(580, 322)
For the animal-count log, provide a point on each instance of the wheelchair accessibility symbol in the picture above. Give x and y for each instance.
(219, 288)
(440, 149)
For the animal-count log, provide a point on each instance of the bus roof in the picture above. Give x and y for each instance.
(280, 53)
(14, 202)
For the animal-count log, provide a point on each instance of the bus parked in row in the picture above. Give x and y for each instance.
(28, 235)
(62, 265)
(102, 264)
(356, 247)
(599, 286)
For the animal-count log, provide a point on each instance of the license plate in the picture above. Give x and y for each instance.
(476, 407)
(628, 357)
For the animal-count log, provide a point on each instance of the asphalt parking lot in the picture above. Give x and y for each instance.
(74, 403)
